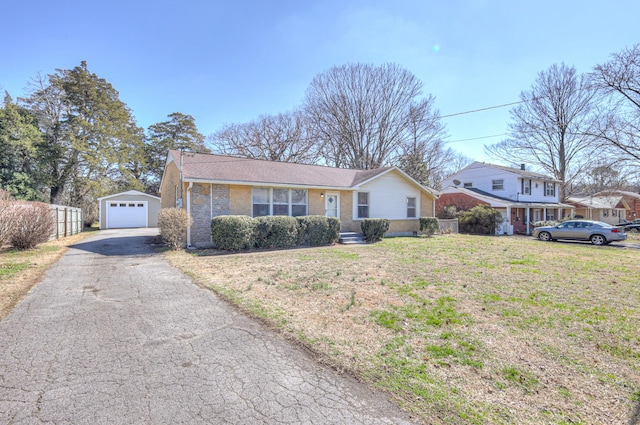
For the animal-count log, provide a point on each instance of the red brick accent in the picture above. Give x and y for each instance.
(461, 201)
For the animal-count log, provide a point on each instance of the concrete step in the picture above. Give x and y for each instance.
(348, 238)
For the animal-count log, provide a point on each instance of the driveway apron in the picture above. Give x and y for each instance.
(115, 335)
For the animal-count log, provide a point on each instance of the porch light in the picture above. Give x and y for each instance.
(322, 194)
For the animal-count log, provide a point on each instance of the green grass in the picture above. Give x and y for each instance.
(445, 317)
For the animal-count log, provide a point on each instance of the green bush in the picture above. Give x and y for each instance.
(480, 220)
(429, 225)
(276, 232)
(32, 223)
(173, 224)
(233, 232)
(317, 230)
(374, 228)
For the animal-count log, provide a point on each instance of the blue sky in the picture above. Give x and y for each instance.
(231, 61)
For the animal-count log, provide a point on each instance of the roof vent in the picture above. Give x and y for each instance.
(522, 167)
(456, 182)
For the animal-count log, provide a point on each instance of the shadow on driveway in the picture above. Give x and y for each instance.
(121, 242)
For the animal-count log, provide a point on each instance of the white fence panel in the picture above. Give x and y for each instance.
(448, 225)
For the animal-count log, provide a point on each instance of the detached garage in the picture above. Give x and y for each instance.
(129, 209)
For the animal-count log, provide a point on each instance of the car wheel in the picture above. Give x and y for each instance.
(634, 230)
(598, 240)
(544, 236)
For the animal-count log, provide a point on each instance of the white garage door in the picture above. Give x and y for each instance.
(126, 214)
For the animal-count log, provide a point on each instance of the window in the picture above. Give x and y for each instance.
(141, 205)
(363, 205)
(468, 184)
(277, 201)
(550, 189)
(411, 207)
(497, 184)
(526, 187)
(261, 202)
(298, 202)
(280, 201)
(551, 215)
(123, 205)
(113, 205)
(132, 205)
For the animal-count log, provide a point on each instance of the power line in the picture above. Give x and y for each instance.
(477, 138)
(482, 109)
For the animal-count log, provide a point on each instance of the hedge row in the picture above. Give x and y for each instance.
(237, 232)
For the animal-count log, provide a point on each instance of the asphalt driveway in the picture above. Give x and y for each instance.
(114, 335)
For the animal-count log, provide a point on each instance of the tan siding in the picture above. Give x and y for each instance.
(346, 213)
(404, 226)
(426, 205)
(240, 200)
(168, 191)
(316, 202)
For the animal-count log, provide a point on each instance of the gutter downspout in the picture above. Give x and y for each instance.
(189, 214)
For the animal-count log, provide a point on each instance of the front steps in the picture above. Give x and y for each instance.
(351, 238)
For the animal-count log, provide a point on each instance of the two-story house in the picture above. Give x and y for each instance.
(521, 196)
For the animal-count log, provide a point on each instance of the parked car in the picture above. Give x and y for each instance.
(597, 232)
(630, 226)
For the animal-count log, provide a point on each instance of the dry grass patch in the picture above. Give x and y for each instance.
(22, 270)
(460, 329)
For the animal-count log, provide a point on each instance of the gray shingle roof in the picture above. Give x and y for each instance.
(243, 170)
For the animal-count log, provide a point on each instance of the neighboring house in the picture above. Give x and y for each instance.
(521, 196)
(631, 198)
(211, 185)
(610, 209)
(129, 209)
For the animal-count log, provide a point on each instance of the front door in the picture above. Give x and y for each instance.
(332, 205)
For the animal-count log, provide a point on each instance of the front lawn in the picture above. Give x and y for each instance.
(459, 329)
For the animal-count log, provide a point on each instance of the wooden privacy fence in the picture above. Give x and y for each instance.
(68, 221)
(448, 225)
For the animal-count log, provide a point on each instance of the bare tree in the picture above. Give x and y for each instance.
(282, 137)
(619, 79)
(360, 113)
(422, 152)
(551, 128)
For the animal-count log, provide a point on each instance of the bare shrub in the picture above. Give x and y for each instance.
(6, 221)
(173, 224)
(32, 224)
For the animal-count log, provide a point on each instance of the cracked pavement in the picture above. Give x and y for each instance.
(113, 334)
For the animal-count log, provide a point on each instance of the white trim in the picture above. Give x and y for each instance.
(430, 191)
(189, 213)
(106, 211)
(326, 196)
(261, 184)
(129, 193)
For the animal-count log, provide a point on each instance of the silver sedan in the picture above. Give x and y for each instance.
(597, 232)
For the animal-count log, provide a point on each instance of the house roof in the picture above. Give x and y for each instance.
(599, 202)
(520, 172)
(129, 193)
(219, 168)
(620, 192)
(501, 201)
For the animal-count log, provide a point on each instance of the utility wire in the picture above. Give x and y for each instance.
(477, 138)
(482, 109)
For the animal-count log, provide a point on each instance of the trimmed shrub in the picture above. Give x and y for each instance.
(32, 223)
(318, 230)
(429, 225)
(374, 228)
(276, 231)
(480, 220)
(173, 224)
(233, 232)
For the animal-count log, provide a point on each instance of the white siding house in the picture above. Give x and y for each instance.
(521, 196)
(389, 197)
